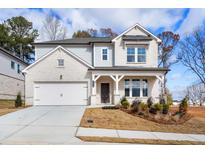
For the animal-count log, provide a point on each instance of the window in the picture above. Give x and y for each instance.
(144, 88)
(135, 88)
(141, 55)
(130, 54)
(136, 54)
(127, 87)
(60, 62)
(18, 69)
(105, 54)
(12, 65)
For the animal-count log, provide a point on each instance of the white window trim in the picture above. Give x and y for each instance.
(136, 56)
(102, 53)
(141, 88)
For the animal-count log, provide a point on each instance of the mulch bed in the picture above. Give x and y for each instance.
(171, 118)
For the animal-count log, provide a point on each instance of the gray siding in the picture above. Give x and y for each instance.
(5, 67)
(98, 62)
(84, 52)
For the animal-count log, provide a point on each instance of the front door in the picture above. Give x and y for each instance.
(105, 93)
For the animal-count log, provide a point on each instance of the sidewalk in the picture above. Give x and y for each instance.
(96, 132)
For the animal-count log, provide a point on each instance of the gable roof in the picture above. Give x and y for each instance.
(55, 49)
(77, 41)
(8, 53)
(140, 27)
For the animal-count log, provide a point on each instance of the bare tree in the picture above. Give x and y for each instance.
(196, 93)
(53, 28)
(166, 51)
(193, 53)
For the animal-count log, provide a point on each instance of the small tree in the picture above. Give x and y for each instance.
(18, 101)
(184, 105)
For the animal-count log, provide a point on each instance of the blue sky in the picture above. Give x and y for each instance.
(181, 21)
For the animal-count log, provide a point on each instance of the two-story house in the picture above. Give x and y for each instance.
(11, 77)
(90, 71)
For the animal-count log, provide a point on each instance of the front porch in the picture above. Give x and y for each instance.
(109, 87)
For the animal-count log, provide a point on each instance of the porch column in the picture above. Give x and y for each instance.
(161, 79)
(116, 78)
(93, 95)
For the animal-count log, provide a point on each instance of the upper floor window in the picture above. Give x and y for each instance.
(61, 62)
(18, 68)
(141, 55)
(137, 55)
(130, 54)
(13, 65)
(105, 54)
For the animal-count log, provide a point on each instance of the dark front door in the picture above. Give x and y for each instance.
(105, 93)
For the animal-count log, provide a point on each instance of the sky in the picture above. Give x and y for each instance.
(181, 21)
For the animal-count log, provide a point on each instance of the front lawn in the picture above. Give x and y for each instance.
(138, 141)
(117, 119)
(7, 107)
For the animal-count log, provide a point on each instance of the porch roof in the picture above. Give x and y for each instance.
(128, 68)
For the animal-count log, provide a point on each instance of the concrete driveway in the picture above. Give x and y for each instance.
(41, 125)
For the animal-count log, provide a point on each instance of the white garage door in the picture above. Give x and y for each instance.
(60, 94)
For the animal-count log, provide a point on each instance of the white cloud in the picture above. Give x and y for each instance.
(117, 19)
(195, 18)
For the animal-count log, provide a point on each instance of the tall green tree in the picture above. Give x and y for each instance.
(4, 36)
(22, 35)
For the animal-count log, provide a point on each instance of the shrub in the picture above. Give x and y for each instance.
(125, 104)
(152, 110)
(165, 109)
(162, 100)
(158, 106)
(183, 106)
(123, 99)
(18, 101)
(135, 107)
(150, 101)
(143, 106)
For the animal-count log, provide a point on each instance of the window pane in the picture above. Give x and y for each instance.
(141, 58)
(136, 83)
(130, 58)
(135, 88)
(145, 88)
(12, 65)
(127, 92)
(135, 92)
(130, 50)
(104, 51)
(127, 87)
(141, 50)
(104, 57)
(141, 55)
(18, 68)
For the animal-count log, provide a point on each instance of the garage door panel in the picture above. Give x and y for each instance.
(60, 94)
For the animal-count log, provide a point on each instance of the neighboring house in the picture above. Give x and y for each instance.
(90, 71)
(11, 76)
